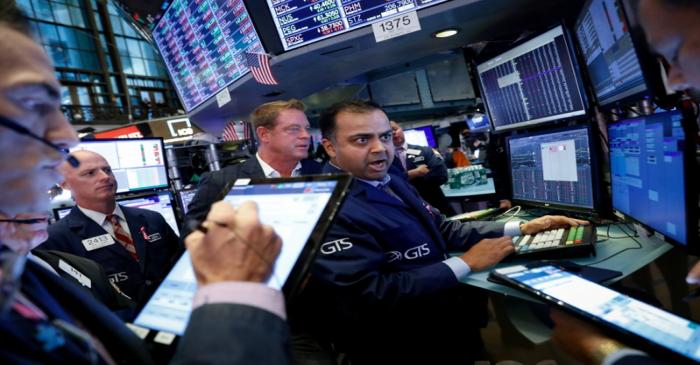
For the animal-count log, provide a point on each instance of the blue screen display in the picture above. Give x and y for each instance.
(648, 174)
(610, 56)
(553, 168)
(478, 123)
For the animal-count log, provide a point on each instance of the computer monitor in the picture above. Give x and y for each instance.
(185, 197)
(421, 136)
(204, 46)
(652, 163)
(609, 52)
(161, 203)
(554, 169)
(300, 23)
(535, 82)
(138, 164)
(479, 123)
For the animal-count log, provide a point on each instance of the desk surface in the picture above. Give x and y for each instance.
(484, 189)
(621, 254)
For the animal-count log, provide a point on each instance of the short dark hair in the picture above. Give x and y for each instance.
(11, 16)
(328, 116)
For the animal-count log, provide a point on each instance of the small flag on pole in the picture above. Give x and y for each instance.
(260, 67)
(229, 133)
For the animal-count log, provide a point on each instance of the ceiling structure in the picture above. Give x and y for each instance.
(340, 67)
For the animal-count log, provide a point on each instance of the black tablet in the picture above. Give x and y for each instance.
(300, 209)
(647, 327)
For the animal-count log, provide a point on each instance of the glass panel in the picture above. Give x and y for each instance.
(26, 7)
(85, 40)
(98, 20)
(83, 95)
(116, 24)
(146, 50)
(126, 65)
(49, 34)
(90, 61)
(60, 11)
(128, 30)
(59, 56)
(85, 77)
(134, 49)
(65, 96)
(74, 59)
(121, 46)
(145, 97)
(68, 76)
(115, 84)
(68, 37)
(43, 10)
(77, 15)
(159, 97)
(111, 9)
(138, 66)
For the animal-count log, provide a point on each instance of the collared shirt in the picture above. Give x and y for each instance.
(101, 219)
(400, 152)
(270, 172)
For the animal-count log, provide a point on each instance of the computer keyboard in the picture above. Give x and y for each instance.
(477, 214)
(557, 243)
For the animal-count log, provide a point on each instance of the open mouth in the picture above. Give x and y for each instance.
(378, 165)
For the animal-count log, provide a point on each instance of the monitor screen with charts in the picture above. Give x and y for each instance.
(137, 164)
(611, 58)
(300, 210)
(642, 325)
(554, 169)
(650, 183)
(535, 82)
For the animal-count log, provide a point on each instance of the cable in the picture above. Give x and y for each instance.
(639, 246)
(517, 208)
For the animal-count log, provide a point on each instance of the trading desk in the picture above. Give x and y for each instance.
(619, 253)
(616, 252)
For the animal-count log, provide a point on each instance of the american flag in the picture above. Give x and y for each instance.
(229, 133)
(260, 67)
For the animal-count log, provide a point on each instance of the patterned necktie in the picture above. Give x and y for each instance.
(123, 236)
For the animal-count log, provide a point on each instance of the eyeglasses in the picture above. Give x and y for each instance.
(11, 124)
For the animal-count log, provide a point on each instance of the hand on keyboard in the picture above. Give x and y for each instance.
(488, 252)
(549, 222)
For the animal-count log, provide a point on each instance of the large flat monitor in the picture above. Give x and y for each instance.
(138, 164)
(301, 22)
(421, 136)
(300, 210)
(535, 82)
(161, 203)
(611, 58)
(203, 44)
(652, 163)
(554, 169)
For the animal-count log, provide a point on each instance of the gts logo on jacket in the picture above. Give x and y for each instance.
(336, 246)
(410, 254)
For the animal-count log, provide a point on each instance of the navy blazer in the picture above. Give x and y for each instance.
(382, 249)
(428, 186)
(157, 252)
(212, 184)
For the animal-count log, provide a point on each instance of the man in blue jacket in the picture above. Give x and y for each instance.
(136, 247)
(387, 288)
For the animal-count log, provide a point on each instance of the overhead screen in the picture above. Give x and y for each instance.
(611, 59)
(533, 83)
(203, 44)
(137, 164)
(300, 22)
(553, 169)
(421, 136)
(649, 182)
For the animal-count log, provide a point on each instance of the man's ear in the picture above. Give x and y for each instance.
(329, 147)
(263, 134)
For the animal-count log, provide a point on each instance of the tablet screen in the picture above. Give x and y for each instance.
(651, 323)
(292, 208)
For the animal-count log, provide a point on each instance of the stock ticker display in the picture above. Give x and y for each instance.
(553, 168)
(532, 83)
(300, 22)
(203, 44)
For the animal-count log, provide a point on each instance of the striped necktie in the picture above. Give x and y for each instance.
(123, 236)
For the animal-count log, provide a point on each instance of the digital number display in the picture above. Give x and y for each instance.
(203, 43)
(300, 22)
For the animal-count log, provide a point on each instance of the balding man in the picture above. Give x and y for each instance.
(136, 247)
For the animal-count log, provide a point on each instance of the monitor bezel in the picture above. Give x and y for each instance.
(690, 180)
(616, 99)
(577, 72)
(165, 161)
(594, 149)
